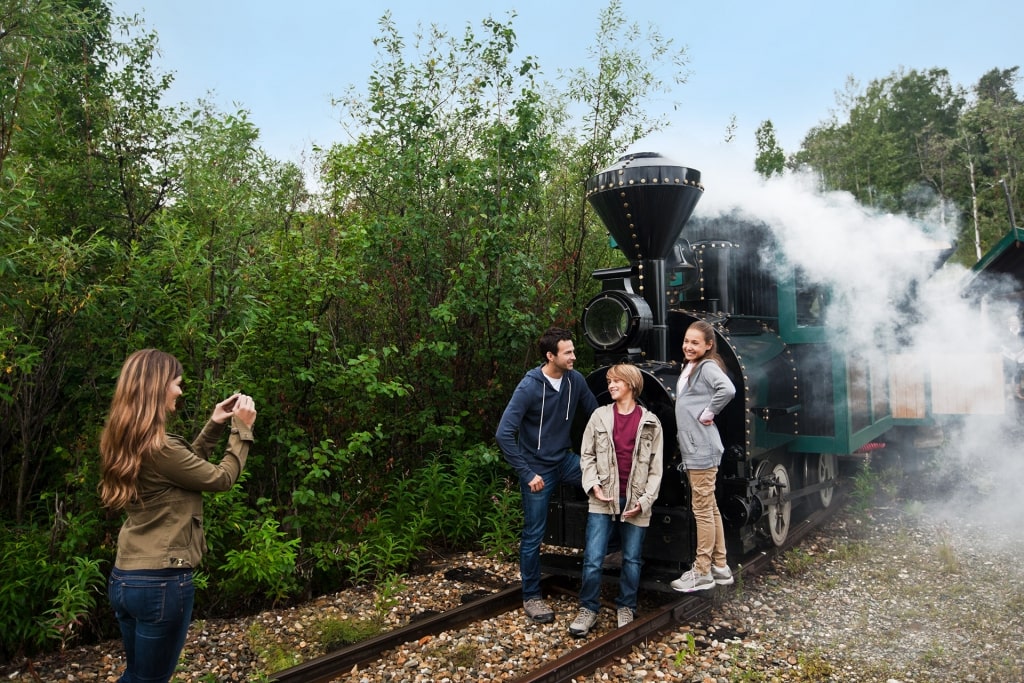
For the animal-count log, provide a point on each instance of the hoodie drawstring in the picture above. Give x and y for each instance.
(543, 397)
(569, 403)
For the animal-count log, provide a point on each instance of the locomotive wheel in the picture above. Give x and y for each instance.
(827, 469)
(776, 516)
(817, 469)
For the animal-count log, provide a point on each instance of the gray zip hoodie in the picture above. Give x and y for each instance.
(708, 388)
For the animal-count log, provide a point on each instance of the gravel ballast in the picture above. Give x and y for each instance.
(895, 593)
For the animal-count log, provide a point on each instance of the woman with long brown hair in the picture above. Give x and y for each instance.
(158, 479)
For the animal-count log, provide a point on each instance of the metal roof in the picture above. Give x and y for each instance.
(1000, 272)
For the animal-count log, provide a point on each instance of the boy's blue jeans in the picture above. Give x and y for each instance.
(535, 520)
(599, 530)
(153, 608)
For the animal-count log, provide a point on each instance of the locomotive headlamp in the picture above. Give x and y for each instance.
(616, 321)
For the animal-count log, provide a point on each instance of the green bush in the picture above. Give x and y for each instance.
(504, 522)
(264, 561)
(45, 598)
(75, 601)
(453, 502)
(21, 555)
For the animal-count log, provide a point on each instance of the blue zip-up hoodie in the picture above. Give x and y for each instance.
(534, 433)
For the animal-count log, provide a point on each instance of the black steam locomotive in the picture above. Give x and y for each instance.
(801, 402)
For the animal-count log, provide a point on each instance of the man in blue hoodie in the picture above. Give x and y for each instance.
(535, 436)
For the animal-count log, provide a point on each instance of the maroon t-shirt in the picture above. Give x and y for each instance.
(624, 438)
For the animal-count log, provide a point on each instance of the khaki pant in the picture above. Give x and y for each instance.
(710, 532)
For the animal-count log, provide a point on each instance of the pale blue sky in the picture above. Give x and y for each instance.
(782, 61)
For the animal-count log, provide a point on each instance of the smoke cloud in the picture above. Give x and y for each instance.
(892, 295)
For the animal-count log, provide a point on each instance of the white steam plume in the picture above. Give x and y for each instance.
(881, 270)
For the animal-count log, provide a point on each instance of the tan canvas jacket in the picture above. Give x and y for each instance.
(599, 465)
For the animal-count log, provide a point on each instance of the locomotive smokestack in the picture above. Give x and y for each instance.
(644, 200)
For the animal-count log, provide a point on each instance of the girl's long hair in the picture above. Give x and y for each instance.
(709, 338)
(136, 425)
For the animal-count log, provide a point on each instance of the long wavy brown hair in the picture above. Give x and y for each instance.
(136, 425)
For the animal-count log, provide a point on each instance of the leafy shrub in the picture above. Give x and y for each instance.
(504, 523)
(44, 598)
(21, 553)
(265, 561)
(457, 501)
(865, 486)
(75, 600)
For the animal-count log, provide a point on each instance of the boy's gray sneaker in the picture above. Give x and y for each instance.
(722, 575)
(624, 615)
(583, 622)
(690, 581)
(538, 611)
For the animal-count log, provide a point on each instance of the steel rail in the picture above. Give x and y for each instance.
(619, 642)
(333, 664)
(577, 662)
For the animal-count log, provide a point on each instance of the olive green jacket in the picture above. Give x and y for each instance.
(164, 528)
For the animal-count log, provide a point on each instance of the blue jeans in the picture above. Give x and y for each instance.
(153, 608)
(535, 520)
(599, 529)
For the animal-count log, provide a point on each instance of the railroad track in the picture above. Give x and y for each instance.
(576, 662)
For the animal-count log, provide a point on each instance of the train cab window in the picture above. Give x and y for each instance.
(811, 301)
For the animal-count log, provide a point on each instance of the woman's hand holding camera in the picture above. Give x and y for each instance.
(236, 405)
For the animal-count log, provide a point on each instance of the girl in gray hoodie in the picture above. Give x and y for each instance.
(703, 391)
